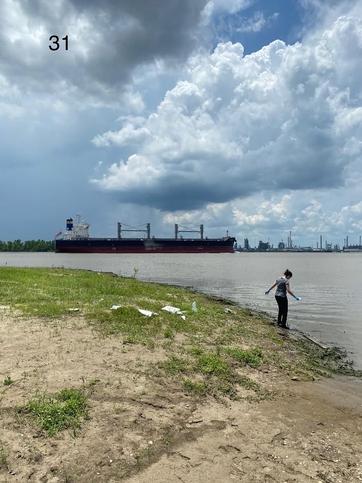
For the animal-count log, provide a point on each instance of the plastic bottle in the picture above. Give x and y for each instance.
(194, 307)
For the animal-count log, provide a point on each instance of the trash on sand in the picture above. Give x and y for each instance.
(73, 310)
(174, 310)
(228, 311)
(147, 313)
(116, 307)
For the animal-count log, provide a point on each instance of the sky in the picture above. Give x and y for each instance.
(243, 115)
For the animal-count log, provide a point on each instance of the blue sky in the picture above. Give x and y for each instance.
(278, 19)
(239, 114)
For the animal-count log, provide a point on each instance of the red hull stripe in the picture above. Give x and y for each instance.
(144, 250)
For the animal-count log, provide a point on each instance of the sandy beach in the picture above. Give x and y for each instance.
(145, 429)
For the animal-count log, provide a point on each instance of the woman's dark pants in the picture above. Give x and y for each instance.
(283, 310)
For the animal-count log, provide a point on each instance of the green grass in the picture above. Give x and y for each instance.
(195, 387)
(208, 372)
(212, 352)
(3, 458)
(52, 293)
(8, 381)
(210, 363)
(63, 410)
(175, 365)
(251, 357)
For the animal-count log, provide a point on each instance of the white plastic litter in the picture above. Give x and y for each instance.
(172, 310)
(228, 311)
(116, 307)
(147, 313)
(73, 310)
(194, 306)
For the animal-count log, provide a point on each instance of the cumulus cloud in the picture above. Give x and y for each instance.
(107, 41)
(283, 118)
(214, 7)
(307, 214)
(255, 23)
(132, 132)
(228, 26)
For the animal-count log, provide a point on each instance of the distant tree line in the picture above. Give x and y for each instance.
(27, 246)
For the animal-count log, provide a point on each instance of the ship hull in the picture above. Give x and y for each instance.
(152, 245)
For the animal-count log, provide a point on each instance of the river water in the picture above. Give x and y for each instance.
(329, 283)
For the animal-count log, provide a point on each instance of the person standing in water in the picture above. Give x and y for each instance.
(281, 297)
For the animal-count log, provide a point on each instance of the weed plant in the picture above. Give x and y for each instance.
(8, 381)
(63, 410)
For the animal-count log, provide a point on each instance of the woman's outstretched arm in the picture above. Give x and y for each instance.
(291, 293)
(271, 288)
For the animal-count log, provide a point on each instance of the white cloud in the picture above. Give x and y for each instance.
(127, 135)
(108, 40)
(229, 26)
(214, 7)
(307, 214)
(255, 23)
(285, 117)
(138, 170)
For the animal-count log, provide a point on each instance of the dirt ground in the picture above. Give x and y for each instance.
(145, 429)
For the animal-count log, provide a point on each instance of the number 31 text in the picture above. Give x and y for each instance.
(55, 42)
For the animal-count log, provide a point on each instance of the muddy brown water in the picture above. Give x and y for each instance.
(331, 306)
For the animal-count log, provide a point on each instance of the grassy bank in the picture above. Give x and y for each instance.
(87, 391)
(215, 350)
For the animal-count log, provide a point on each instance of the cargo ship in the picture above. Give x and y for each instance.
(76, 239)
